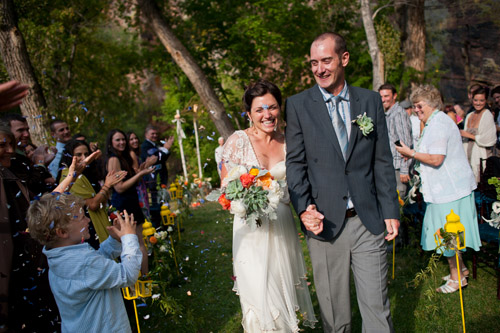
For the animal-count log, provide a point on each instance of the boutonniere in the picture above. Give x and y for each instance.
(365, 123)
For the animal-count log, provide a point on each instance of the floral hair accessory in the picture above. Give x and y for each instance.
(365, 123)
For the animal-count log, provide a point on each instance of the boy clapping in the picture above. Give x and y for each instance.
(85, 283)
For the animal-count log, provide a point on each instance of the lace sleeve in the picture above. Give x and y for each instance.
(237, 151)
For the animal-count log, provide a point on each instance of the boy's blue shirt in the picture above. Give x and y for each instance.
(86, 283)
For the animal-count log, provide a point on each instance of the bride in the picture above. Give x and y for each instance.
(268, 261)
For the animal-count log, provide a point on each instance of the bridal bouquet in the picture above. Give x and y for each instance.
(251, 195)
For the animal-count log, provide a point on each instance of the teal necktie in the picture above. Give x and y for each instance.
(339, 125)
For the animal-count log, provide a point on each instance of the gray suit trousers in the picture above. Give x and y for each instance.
(356, 248)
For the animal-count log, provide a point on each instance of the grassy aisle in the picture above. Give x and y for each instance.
(211, 306)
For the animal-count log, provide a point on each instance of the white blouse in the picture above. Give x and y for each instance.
(453, 179)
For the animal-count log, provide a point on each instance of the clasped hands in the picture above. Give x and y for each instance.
(313, 221)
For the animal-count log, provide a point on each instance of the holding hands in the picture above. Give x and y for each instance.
(312, 220)
(122, 226)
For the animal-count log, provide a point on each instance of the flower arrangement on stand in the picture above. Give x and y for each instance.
(252, 195)
(451, 237)
(163, 273)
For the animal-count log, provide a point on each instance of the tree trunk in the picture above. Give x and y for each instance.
(412, 26)
(188, 65)
(17, 62)
(375, 53)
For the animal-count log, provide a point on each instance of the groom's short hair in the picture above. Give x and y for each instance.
(340, 44)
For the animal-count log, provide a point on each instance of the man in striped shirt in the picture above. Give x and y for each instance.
(399, 128)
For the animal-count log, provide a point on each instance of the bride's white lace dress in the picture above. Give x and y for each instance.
(268, 261)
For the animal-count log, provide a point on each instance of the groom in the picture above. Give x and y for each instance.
(342, 185)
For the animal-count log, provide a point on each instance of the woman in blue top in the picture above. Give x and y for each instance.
(447, 179)
(124, 195)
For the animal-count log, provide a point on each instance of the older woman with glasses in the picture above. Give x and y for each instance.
(447, 179)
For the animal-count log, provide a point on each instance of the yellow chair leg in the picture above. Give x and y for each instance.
(136, 318)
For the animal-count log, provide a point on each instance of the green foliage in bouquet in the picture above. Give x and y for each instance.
(235, 190)
(255, 199)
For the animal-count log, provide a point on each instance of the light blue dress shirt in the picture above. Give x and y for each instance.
(54, 165)
(86, 283)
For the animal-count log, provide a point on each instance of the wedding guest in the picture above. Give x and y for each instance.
(458, 109)
(218, 153)
(135, 153)
(88, 188)
(450, 112)
(86, 283)
(151, 147)
(124, 195)
(33, 171)
(26, 302)
(447, 179)
(20, 306)
(416, 124)
(399, 129)
(479, 132)
(61, 133)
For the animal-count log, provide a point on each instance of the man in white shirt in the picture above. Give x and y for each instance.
(218, 154)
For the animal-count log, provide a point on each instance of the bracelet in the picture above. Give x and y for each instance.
(414, 153)
(103, 194)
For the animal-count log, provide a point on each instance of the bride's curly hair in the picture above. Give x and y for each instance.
(260, 88)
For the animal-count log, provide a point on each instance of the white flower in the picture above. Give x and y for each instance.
(279, 171)
(157, 235)
(496, 207)
(170, 229)
(274, 199)
(163, 248)
(234, 173)
(155, 296)
(238, 208)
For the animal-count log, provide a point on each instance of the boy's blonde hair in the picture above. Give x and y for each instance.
(51, 212)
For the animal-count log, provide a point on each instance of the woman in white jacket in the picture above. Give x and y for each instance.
(479, 132)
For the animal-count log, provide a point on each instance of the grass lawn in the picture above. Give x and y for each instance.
(209, 304)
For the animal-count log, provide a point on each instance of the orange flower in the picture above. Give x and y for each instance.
(225, 203)
(401, 202)
(247, 180)
(153, 240)
(265, 181)
(163, 186)
(254, 172)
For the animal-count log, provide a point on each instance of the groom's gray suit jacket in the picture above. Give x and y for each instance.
(316, 170)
